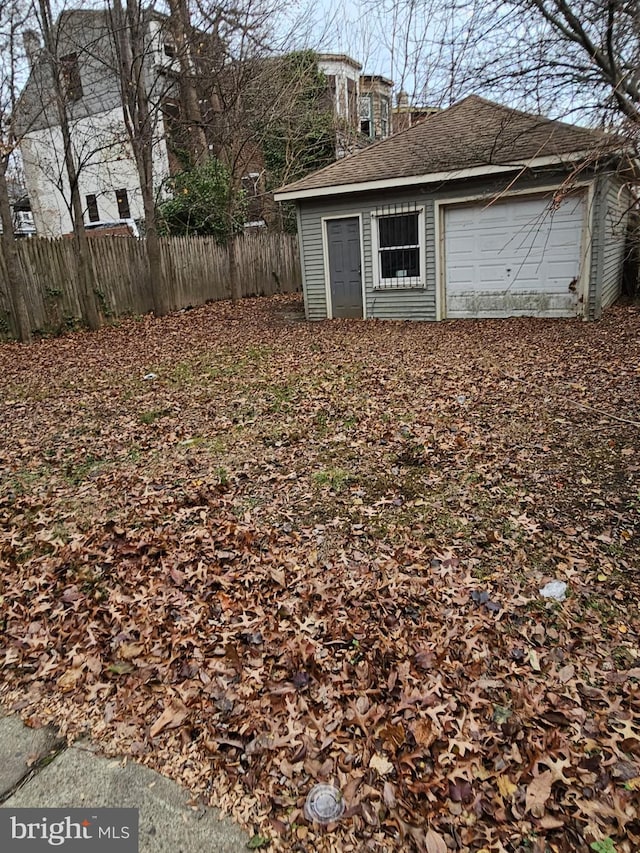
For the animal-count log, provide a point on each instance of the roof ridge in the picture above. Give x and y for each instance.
(539, 116)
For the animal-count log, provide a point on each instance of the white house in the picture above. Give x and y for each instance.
(107, 175)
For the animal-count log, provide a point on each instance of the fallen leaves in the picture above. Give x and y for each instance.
(424, 732)
(129, 651)
(296, 558)
(69, 679)
(506, 787)
(566, 673)
(173, 716)
(534, 660)
(434, 842)
(381, 764)
(538, 792)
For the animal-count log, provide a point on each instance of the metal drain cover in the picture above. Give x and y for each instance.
(324, 804)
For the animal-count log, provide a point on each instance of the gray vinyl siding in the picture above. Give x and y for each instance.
(596, 226)
(302, 262)
(313, 284)
(608, 227)
(616, 215)
(397, 303)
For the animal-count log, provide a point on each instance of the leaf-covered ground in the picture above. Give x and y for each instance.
(313, 553)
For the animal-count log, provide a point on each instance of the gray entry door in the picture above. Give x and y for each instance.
(345, 276)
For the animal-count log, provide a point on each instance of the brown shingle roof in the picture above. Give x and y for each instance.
(473, 132)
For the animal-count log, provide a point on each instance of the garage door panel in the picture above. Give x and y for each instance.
(461, 275)
(513, 258)
(467, 253)
(489, 275)
(562, 271)
(564, 239)
(521, 304)
(490, 244)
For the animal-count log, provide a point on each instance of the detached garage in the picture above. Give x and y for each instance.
(514, 257)
(480, 211)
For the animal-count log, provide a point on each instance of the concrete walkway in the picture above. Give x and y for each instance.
(37, 770)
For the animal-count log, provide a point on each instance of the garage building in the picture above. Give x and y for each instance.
(479, 211)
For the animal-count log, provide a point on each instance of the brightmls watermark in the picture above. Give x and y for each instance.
(69, 830)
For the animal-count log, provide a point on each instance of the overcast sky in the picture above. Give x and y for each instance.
(363, 30)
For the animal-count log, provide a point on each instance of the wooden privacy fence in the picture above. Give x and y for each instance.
(196, 270)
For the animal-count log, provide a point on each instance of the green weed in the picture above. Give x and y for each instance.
(152, 415)
(335, 478)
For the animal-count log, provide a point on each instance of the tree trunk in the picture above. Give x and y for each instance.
(86, 277)
(234, 272)
(15, 277)
(140, 129)
(144, 160)
(90, 311)
(181, 29)
(232, 237)
(161, 304)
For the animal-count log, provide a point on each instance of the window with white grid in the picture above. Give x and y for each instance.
(366, 125)
(399, 246)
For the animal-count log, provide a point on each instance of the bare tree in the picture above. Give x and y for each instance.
(426, 47)
(60, 87)
(577, 58)
(592, 42)
(132, 47)
(188, 42)
(241, 91)
(105, 103)
(13, 18)
(224, 87)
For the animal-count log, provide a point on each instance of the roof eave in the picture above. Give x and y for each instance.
(432, 177)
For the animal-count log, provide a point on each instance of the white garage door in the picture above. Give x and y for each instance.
(516, 257)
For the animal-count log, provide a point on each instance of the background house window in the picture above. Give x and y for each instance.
(384, 117)
(70, 77)
(123, 204)
(366, 125)
(92, 208)
(400, 249)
